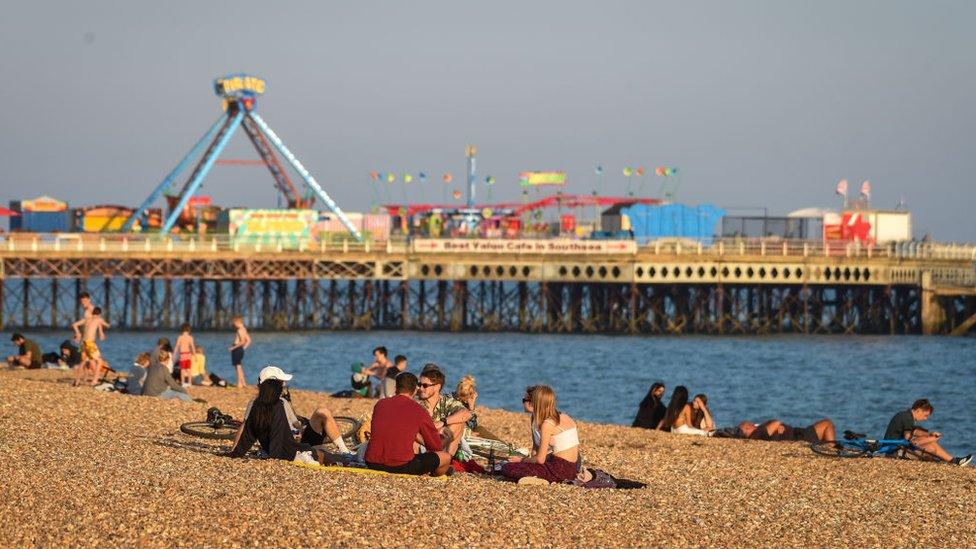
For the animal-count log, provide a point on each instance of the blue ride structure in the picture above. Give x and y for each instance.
(238, 93)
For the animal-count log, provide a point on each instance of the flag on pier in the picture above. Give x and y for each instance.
(866, 189)
(842, 187)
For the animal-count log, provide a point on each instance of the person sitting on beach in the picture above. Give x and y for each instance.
(137, 374)
(70, 356)
(160, 382)
(270, 420)
(198, 367)
(651, 410)
(449, 414)
(678, 416)
(555, 441)
(378, 370)
(904, 425)
(28, 353)
(777, 431)
(701, 416)
(399, 422)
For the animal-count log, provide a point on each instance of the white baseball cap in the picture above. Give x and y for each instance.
(273, 372)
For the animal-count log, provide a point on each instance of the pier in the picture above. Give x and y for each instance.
(548, 286)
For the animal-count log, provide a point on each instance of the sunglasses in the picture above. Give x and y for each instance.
(526, 400)
(425, 385)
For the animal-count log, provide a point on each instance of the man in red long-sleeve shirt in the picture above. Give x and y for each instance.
(397, 423)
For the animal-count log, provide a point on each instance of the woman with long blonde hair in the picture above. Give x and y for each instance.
(555, 440)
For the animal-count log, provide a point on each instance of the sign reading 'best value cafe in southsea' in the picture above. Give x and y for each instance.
(555, 247)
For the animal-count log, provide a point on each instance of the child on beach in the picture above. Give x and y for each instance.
(185, 349)
(242, 340)
(198, 369)
(91, 358)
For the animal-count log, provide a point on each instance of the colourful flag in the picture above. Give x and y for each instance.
(866, 189)
(530, 179)
(842, 187)
(628, 171)
(407, 178)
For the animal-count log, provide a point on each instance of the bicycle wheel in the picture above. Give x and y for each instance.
(204, 429)
(838, 448)
(916, 453)
(486, 447)
(347, 427)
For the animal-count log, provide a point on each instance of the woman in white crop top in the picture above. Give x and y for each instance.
(555, 440)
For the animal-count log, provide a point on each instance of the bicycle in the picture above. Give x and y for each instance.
(857, 445)
(218, 426)
(221, 426)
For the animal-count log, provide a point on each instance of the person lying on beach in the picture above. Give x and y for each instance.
(651, 410)
(904, 425)
(555, 441)
(678, 416)
(777, 431)
(270, 420)
(397, 424)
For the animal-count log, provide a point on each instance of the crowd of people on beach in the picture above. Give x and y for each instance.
(694, 418)
(415, 427)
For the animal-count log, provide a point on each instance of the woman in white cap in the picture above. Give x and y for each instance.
(270, 420)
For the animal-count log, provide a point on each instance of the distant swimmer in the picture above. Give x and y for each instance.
(242, 340)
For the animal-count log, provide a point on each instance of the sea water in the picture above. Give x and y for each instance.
(857, 381)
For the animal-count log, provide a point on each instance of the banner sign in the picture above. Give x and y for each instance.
(43, 204)
(531, 179)
(545, 247)
(271, 226)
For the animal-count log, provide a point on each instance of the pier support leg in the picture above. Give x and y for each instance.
(933, 314)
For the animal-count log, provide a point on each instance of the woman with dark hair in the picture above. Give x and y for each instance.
(701, 416)
(677, 418)
(651, 410)
(270, 420)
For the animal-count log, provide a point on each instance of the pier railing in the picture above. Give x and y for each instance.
(149, 243)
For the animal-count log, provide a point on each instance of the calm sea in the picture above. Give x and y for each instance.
(859, 382)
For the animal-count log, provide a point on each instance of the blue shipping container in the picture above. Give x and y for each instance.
(42, 222)
(650, 222)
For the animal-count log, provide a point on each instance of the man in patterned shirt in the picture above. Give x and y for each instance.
(449, 414)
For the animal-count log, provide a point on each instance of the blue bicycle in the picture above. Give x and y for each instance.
(857, 445)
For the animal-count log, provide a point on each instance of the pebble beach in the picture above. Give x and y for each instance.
(84, 468)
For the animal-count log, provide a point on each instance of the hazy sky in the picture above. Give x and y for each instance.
(758, 103)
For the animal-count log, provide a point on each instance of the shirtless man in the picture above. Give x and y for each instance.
(185, 349)
(91, 358)
(242, 340)
(378, 369)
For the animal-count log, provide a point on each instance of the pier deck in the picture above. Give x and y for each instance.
(529, 285)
